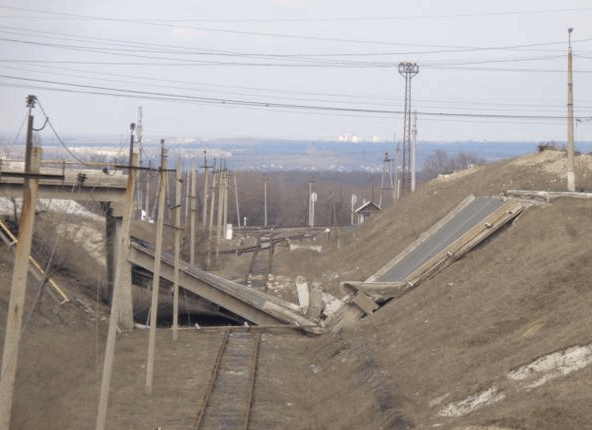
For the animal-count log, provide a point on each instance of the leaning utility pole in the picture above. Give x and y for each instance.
(571, 179)
(408, 71)
(19, 274)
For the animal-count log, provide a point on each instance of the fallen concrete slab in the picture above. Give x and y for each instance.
(250, 304)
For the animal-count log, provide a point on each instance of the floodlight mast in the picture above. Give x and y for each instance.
(408, 71)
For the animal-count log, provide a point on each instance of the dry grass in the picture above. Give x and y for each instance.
(523, 294)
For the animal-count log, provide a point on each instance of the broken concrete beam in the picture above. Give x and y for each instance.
(376, 290)
(546, 196)
(365, 303)
(303, 294)
(316, 302)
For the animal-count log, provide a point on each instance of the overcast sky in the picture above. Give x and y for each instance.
(305, 69)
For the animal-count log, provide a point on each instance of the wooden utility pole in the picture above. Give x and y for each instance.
(19, 275)
(118, 295)
(193, 214)
(156, 271)
(179, 179)
(571, 179)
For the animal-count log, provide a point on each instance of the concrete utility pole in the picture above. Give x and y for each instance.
(139, 198)
(178, 191)
(204, 217)
(396, 167)
(408, 71)
(238, 218)
(413, 151)
(118, 297)
(311, 202)
(131, 144)
(571, 179)
(139, 135)
(226, 186)
(220, 213)
(211, 219)
(19, 274)
(193, 214)
(156, 271)
(265, 201)
(386, 170)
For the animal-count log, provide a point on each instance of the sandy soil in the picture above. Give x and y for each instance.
(499, 340)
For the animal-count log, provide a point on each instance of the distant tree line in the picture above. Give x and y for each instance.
(440, 162)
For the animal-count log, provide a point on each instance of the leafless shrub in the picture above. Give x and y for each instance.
(548, 146)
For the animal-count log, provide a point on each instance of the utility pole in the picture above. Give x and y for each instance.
(226, 186)
(204, 217)
(396, 166)
(139, 135)
(386, 170)
(265, 201)
(193, 213)
(211, 219)
(139, 139)
(238, 218)
(178, 192)
(118, 296)
(571, 179)
(408, 71)
(156, 271)
(220, 213)
(19, 274)
(413, 151)
(131, 145)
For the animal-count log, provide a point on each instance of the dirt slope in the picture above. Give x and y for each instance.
(448, 355)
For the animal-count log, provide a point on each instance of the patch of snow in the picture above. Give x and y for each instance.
(69, 207)
(472, 403)
(552, 366)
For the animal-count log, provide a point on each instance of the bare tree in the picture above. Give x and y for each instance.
(440, 162)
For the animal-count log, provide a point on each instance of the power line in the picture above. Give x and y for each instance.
(337, 19)
(58, 137)
(220, 30)
(258, 104)
(266, 92)
(434, 49)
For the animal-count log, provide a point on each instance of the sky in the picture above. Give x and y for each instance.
(297, 69)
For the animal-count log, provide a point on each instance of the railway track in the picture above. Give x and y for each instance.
(229, 396)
